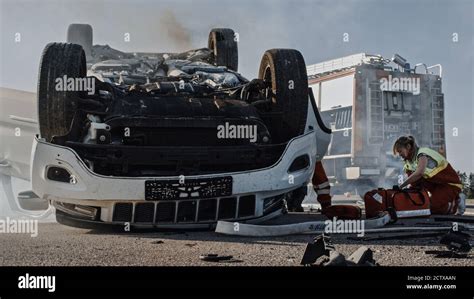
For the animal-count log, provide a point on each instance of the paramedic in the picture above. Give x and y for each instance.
(428, 169)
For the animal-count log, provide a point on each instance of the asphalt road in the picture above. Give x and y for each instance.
(60, 245)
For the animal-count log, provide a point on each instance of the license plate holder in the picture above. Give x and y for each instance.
(189, 189)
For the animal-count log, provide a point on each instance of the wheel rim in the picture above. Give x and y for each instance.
(267, 77)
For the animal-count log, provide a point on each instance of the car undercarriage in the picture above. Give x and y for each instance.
(171, 139)
(160, 113)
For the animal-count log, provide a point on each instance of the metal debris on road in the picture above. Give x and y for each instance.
(323, 247)
(320, 246)
(215, 257)
(251, 230)
(397, 236)
(457, 241)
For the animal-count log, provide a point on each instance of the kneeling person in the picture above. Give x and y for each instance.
(428, 169)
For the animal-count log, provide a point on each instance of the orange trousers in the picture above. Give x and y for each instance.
(444, 198)
(321, 185)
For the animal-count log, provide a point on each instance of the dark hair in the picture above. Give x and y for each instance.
(404, 141)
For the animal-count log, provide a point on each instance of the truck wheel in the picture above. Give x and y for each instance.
(81, 34)
(223, 45)
(284, 70)
(56, 108)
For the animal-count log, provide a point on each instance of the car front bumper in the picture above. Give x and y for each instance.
(256, 194)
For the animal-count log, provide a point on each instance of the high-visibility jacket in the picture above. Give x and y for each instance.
(438, 170)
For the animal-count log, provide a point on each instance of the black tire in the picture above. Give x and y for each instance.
(81, 34)
(56, 109)
(285, 71)
(223, 45)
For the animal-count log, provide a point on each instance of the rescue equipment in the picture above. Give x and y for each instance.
(407, 203)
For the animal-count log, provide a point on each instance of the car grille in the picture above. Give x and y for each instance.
(274, 203)
(246, 206)
(144, 212)
(122, 212)
(185, 211)
(165, 211)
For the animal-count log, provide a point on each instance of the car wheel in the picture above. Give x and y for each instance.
(81, 34)
(56, 108)
(284, 71)
(223, 46)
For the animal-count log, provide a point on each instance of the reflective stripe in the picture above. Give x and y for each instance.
(321, 186)
(413, 213)
(378, 198)
(322, 191)
(429, 172)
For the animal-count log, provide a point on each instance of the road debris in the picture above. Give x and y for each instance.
(320, 246)
(457, 243)
(397, 236)
(215, 257)
(454, 218)
(251, 230)
(323, 247)
(335, 259)
(363, 256)
(446, 254)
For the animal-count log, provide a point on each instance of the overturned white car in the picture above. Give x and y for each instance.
(171, 140)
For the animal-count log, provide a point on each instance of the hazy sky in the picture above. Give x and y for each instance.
(421, 31)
